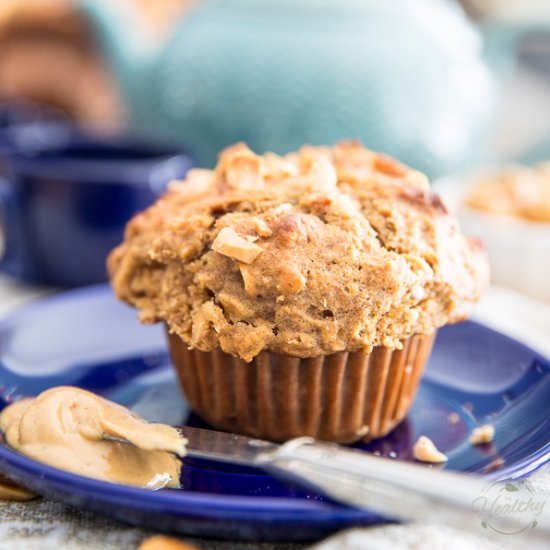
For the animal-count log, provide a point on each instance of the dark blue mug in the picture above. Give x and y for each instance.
(66, 195)
(25, 111)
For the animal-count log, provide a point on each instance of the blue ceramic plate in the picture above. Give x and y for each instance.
(86, 338)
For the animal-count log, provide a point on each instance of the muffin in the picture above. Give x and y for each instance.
(301, 293)
(508, 207)
(519, 192)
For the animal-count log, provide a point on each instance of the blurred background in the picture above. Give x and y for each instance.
(50, 55)
(124, 95)
(418, 80)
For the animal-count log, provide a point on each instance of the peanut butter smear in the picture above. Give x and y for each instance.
(72, 429)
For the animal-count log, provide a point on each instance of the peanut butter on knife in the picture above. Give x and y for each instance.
(73, 430)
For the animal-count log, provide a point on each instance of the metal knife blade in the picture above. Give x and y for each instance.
(225, 447)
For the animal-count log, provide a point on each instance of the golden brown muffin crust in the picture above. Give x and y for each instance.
(319, 251)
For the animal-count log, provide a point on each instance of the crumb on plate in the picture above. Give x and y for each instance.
(483, 434)
(453, 418)
(425, 450)
(9, 490)
(494, 465)
(160, 542)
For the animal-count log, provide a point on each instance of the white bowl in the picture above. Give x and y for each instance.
(518, 250)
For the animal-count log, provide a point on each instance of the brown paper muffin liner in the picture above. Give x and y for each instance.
(343, 397)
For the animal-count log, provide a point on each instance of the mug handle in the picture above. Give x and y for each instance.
(6, 213)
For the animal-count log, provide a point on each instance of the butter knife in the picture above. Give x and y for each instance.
(397, 490)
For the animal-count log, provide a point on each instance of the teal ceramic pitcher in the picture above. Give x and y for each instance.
(406, 77)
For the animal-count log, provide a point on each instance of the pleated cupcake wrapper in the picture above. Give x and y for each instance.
(343, 397)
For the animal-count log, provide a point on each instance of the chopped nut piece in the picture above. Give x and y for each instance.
(325, 174)
(483, 434)
(11, 491)
(230, 244)
(344, 206)
(278, 167)
(315, 162)
(252, 284)
(198, 182)
(291, 280)
(417, 264)
(418, 293)
(242, 169)
(425, 451)
(315, 201)
(261, 227)
(282, 209)
(418, 179)
(389, 166)
(160, 542)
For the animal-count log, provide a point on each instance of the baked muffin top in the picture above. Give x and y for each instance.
(514, 191)
(307, 254)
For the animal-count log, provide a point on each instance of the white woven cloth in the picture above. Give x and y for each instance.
(46, 525)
